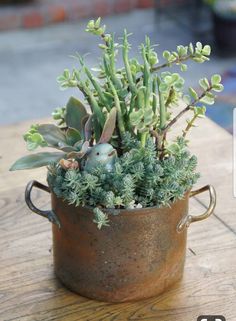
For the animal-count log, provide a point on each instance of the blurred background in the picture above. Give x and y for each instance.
(37, 38)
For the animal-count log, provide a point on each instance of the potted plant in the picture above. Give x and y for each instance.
(119, 186)
(224, 23)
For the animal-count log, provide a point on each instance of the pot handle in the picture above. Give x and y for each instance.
(50, 215)
(187, 220)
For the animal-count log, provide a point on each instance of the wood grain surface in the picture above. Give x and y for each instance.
(29, 290)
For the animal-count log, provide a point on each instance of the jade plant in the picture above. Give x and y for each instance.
(113, 149)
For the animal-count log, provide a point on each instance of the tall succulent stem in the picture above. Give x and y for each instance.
(132, 84)
(162, 106)
(118, 107)
(154, 99)
(144, 139)
(97, 87)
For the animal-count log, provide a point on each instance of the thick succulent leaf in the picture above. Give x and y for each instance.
(81, 153)
(136, 116)
(72, 136)
(52, 134)
(36, 160)
(66, 148)
(88, 128)
(34, 140)
(75, 112)
(96, 128)
(193, 93)
(109, 127)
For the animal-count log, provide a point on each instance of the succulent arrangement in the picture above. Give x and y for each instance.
(113, 150)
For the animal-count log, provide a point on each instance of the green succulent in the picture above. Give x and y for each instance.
(130, 110)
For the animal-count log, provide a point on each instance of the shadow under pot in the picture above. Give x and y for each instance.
(140, 255)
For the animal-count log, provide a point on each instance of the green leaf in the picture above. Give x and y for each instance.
(148, 116)
(191, 49)
(36, 160)
(182, 51)
(173, 149)
(187, 99)
(193, 93)
(163, 87)
(215, 79)
(206, 50)
(109, 127)
(166, 54)
(184, 67)
(204, 83)
(72, 136)
(88, 128)
(208, 99)
(52, 134)
(199, 111)
(84, 148)
(75, 112)
(35, 140)
(100, 218)
(136, 117)
(66, 73)
(97, 22)
(218, 88)
(199, 46)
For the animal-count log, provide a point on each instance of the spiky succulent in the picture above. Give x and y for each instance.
(130, 107)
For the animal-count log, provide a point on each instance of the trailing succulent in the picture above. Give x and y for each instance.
(113, 151)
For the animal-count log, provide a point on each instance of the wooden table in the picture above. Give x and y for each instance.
(30, 292)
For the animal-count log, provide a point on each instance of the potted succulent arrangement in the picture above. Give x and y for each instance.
(119, 186)
(224, 23)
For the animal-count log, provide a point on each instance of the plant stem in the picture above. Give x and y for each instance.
(154, 99)
(119, 112)
(187, 108)
(190, 124)
(162, 106)
(97, 87)
(132, 84)
(94, 105)
(167, 64)
(144, 139)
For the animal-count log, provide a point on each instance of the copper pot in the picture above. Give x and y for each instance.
(139, 255)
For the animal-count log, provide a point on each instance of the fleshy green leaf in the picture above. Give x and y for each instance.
(204, 83)
(209, 99)
(173, 149)
(193, 93)
(191, 49)
(36, 160)
(166, 54)
(75, 112)
(215, 79)
(206, 50)
(72, 136)
(218, 88)
(35, 140)
(187, 99)
(88, 128)
(199, 45)
(184, 67)
(136, 116)
(52, 134)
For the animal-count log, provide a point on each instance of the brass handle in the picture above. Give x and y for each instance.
(50, 215)
(187, 220)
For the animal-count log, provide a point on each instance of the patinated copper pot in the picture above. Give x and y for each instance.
(141, 253)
